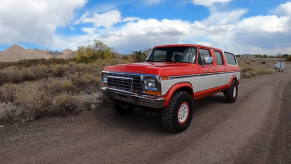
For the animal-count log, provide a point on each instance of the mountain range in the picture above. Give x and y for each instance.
(16, 52)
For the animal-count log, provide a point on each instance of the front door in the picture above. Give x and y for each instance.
(208, 77)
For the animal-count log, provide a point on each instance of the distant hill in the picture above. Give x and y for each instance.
(148, 51)
(16, 52)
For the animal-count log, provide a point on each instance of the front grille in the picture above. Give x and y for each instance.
(125, 82)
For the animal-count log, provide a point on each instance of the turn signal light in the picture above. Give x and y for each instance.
(153, 93)
(165, 78)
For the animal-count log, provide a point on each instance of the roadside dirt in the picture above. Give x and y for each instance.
(255, 129)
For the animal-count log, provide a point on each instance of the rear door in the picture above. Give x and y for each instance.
(221, 68)
(208, 77)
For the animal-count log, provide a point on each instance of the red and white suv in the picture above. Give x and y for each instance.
(170, 79)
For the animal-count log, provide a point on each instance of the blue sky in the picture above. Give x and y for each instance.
(239, 26)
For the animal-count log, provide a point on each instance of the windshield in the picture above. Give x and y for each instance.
(173, 54)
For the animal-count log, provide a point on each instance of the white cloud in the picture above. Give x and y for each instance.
(284, 9)
(267, 24)
(225, 17)
(208, 3)
(34, 21)
(89, 31)
(107, 19)
(130, 19)
(37, 22)
(146, 33)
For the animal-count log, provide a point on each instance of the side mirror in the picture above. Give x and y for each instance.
(208, 60)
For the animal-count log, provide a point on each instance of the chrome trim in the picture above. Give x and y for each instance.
(118, 90)
(135, 99)
(200, 75)
(117, 77)
(142, 77)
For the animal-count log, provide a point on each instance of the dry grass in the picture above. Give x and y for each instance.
(29, 93)
(50, 90)
(255, 67)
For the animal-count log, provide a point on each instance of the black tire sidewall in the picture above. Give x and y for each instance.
(117, 108)
(181, 98)
(229, 92)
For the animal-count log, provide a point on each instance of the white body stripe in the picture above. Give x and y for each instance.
(200, 83)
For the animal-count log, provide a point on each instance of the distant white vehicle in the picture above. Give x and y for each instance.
(280, 66)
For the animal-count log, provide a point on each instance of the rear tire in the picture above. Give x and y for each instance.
(120, 107)
(177, 116)
(231, 93)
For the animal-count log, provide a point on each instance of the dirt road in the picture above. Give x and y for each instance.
(255, 129)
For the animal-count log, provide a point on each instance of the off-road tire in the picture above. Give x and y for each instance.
(230, 97)
(170, 113)
(119, 109)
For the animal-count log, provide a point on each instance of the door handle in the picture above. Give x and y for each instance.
(214, 69)
(224, 68)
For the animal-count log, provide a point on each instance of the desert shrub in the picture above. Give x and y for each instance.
(139, 56)
(65, 104)
(87, 83)
(7, 92)
(243, 70)
(42, 71)
(255, 71)
(33, 99)
(33, 62)
(289, 58)
(263, 62)
(91, 53)
(57, 86)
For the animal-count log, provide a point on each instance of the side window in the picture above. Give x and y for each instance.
(218, 57)
(230, 58)
(159, 55)
(202, 54)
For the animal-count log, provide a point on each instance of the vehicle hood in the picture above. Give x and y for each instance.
(154, 68)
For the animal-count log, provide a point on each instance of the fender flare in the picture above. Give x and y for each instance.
(167, 97)
(234, 77)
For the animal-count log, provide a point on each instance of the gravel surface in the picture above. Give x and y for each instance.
(255, 129)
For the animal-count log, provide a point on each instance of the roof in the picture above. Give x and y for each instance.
(186, 45)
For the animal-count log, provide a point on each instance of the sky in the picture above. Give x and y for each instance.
(238, 26)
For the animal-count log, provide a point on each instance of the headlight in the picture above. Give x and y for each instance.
(104, 77)
(150, 84)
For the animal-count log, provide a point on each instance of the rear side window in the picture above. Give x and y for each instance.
(202, 54)
(218, 57)
(230, 58)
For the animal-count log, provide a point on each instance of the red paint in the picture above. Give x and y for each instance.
(173, 89)
(171, 68)
(165, 69)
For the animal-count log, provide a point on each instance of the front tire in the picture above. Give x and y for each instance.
(231, 93)
(177, 116)
(120, 107)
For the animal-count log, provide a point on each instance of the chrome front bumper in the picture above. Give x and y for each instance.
(135, 99)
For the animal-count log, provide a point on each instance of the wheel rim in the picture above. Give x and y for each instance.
(234, 91)
(183, 112)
